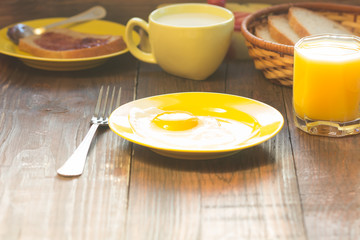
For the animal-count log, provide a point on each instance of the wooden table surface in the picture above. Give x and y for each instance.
(293, 186)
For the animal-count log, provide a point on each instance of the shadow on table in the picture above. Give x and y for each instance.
(244, 160)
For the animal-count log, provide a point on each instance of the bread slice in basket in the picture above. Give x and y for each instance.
(262, 31)
(288, 28)
(65, 43)
(281, 31)
(306, 22)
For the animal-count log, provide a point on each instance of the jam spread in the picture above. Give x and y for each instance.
(61, 42)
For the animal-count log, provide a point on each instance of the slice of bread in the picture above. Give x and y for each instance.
(262, 31)
(65, 43)
(306, 22)
(281, 31)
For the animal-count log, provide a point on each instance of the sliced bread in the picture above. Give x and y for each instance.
(262, 31)
(65, 43)
(281, 31)
(306, 22)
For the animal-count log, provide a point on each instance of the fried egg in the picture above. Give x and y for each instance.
(184, 130)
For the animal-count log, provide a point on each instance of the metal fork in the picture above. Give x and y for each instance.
(74, 166)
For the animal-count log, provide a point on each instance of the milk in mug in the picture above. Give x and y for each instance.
(190, 19)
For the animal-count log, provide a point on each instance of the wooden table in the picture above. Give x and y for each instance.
(293, 186)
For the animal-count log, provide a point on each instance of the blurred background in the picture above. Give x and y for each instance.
(121, 13)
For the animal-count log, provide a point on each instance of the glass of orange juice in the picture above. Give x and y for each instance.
(326, 85)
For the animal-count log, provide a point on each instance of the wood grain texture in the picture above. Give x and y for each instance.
(44, 117)
(293, 186)
(328, 174)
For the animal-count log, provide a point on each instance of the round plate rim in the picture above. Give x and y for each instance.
(196, 151)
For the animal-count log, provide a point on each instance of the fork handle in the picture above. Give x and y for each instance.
(74, 166)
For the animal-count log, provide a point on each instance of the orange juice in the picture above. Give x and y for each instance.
(327, 78)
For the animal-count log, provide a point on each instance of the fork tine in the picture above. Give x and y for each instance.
(111, 102)
(98, 103)
(111, 105)
(105, 103)
(117, 104)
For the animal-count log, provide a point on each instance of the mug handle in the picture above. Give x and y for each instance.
(143, 56)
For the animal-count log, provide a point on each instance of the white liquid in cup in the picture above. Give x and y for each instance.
(190, 19)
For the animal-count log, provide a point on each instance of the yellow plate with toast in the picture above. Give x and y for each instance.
(7, 47)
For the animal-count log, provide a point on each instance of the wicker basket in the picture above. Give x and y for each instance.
(276, 60)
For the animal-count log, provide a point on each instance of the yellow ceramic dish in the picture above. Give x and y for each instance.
(7, 47)
(264, 120)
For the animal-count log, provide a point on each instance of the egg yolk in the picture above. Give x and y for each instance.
(175, 121)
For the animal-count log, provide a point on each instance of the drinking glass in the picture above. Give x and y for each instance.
(326, 85)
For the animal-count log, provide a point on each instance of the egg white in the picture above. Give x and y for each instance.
(210, 133)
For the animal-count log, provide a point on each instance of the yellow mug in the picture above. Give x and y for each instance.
(187, 40)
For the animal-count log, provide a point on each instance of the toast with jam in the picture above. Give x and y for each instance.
(65, 43)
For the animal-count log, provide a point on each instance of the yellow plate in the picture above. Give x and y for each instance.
(55, 64)
(264, 119)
